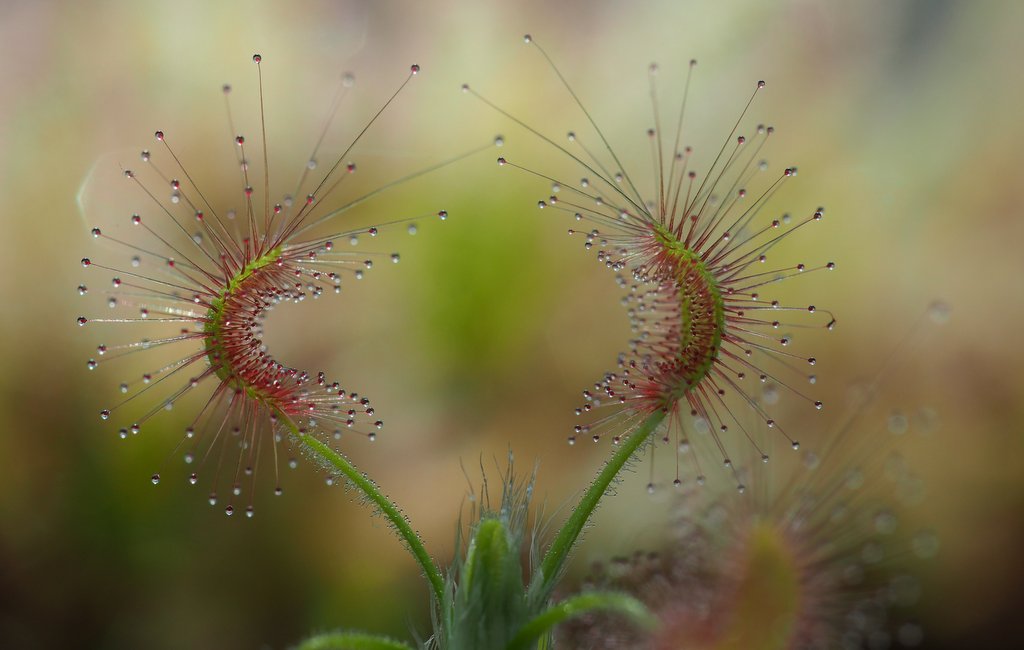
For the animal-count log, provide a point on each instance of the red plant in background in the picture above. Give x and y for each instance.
(822, 556)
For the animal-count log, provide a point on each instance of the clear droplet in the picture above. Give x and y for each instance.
(938, 312)
(925, 544)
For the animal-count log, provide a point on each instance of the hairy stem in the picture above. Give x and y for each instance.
(386, 506)
(558, 552)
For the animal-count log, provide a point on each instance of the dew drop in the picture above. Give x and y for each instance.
(212, 499)
(230, 510)
(910, 635)
(414, 69)
(443, 215)
(193, 478)
(938, 312)
(155, 479)
(854, 479)
(898, 424)
(925, 544)
(872, 553)
(886, 522)
(105, 414)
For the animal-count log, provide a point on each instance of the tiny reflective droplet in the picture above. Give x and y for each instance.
(938, 312)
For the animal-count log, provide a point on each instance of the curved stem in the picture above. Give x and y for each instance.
(622, 603)
(387, 508)
(351, 641)
(558, 552)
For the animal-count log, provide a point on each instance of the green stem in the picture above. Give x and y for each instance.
(389, 510)
(351, 641)
(616, 602)
(558, 552)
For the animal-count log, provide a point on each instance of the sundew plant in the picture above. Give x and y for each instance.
(691, 250)
(186, 280)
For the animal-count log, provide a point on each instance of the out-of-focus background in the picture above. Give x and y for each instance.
(904, 118)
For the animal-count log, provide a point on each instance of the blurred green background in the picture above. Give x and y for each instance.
(904, 118)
